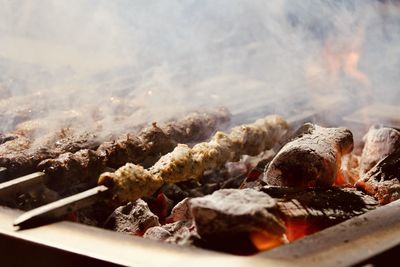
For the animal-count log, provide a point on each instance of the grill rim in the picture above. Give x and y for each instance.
(344, 244)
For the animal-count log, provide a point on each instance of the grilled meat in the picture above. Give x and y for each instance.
(383, 181)
(7, 137)
(20, 158)
(13, 143)
(131, 182)
(145, 148)
(312, 159)
(379, 142)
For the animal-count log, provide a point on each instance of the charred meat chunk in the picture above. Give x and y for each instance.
(311, 159)
(74, 165)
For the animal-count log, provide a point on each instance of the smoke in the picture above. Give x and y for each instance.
(108, 66)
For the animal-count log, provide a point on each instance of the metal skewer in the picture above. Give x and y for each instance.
(3, 174)
(60, 208)
(21, 184)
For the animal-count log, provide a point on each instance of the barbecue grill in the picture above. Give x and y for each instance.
(91, 133)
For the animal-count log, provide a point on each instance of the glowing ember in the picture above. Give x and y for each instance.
(263, 241)
(299, 229)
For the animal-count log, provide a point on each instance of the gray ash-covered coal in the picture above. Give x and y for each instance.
(380, 164)
(383, 180)
(230, 211)
(133, 218)
(379, 142)
(179, 233)
(311, 159)
(323, 206)
(226, 220)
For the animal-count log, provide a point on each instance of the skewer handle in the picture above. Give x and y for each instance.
(60, 208)
(20, 185)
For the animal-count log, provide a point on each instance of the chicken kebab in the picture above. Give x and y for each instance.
(131, 181)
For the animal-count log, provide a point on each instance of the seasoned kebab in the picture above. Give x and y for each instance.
(131, 181)
(83, 167)
(311, 159)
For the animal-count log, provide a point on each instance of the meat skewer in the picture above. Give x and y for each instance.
(131, 182)
(311, 159)
(71, 169)
(84, 166)
(19, 158)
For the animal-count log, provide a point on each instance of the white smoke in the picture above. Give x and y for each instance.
(116, 64)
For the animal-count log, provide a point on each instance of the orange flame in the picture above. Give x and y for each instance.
(339, 57)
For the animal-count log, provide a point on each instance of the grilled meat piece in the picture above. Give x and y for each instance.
(131, 182)
(379, 142)
(75, 165)
(7, 137)
(312, 159)
(13, 143)
(383, 181)
(20, 158)
(145, 148)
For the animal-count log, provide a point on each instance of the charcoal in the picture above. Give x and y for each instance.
(133, 218)
(203, 190)
(212, 176)
(174, 192)
(95, 215)
(158, 233)
(383, 181)
(181, 233)
(306, 211)
(350, 171)
(332, 204)
(160, 205)
(235, 169)
(379, 142)
(255, 175)
(311, 159)
(234, 182)
(229, 211)
(181, 212)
